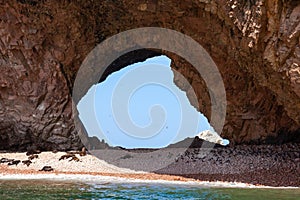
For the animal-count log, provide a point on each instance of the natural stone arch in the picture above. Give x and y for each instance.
(255, 44)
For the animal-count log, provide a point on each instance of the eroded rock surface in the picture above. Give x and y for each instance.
(255, 45)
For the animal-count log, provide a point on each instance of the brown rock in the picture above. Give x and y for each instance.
(255, 46)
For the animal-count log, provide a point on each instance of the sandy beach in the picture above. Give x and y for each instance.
(90, 168)
(87, 168)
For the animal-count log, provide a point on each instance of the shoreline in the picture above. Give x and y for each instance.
(89, 168)
(131, 178)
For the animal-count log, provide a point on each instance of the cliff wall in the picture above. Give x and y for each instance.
(255, 44)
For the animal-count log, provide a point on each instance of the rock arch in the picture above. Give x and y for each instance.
(255, 44)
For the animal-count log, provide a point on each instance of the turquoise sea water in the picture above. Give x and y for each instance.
(38, 189)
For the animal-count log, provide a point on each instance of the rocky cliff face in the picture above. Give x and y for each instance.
(255, 44)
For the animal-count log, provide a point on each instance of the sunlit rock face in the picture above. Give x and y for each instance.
(213, 137)
(255, 45)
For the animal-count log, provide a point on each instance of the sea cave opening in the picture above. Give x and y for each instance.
(140, 106)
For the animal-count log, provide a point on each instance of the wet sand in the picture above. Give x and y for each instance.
(7, 173)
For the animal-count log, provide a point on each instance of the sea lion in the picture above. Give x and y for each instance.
(47, 169)
(26, 162)
(33, 157)
(66, 156)
(14, 162)
(54, 151)
(74, 158)
(82, 152)
(32, 151)
(5, 160)
(69, 155)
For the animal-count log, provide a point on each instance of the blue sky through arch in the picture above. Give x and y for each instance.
(96, 113)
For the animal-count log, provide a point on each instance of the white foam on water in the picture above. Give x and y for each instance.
(93, 179)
